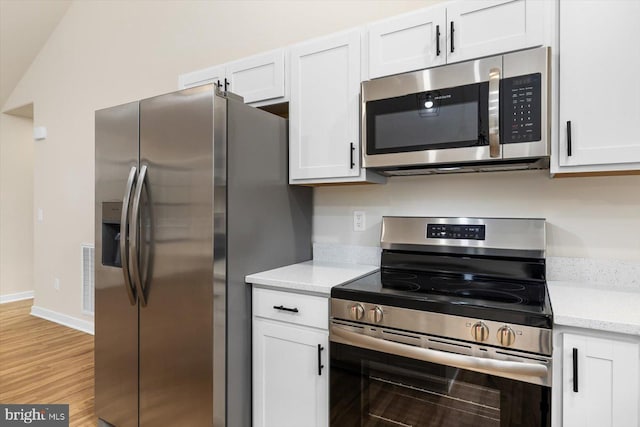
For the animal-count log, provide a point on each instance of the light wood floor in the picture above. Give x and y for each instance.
(44, 362)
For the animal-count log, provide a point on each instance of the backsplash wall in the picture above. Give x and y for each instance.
(595, 217)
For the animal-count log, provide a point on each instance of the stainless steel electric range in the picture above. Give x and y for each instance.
(454, 330)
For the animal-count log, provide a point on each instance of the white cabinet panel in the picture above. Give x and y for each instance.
(599, 85)
(323, 113)
(258, 78)
(488, 27)
(607, 382)
(307, 310)
(287, 387)
(407, 42)
(207, 75)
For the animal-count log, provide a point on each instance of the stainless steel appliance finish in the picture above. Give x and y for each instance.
(116, 306)
(496, 154)
(534, 369)
(527, 338)
(503, 236)
(209, 192)
(455, 328)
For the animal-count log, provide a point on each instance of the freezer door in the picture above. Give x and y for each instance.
(176, 259)
(116, 307)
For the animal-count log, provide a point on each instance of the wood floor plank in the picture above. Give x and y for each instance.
(44, 362)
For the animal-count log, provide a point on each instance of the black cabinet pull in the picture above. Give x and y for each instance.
(437, 40)
(352, 149)
(218, 84)
(452, 31)
(320, 365)
(569, 138)
(283, 308)
(226, 84)
(575, 370)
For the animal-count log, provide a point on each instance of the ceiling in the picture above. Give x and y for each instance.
(25, 26)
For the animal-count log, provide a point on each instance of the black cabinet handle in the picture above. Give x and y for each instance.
(226, 84)
(320, 365)
(569, 138)
(575, 370)
(452, 31)
(283, 308)
(218, 84)
(437, 40)
(352, 149)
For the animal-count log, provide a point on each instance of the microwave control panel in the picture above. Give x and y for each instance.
(449, 231)
(521, 104)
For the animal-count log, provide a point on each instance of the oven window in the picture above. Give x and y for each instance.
(370, 389)
(447, 118)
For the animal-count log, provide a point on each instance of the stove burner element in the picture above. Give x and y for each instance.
(488, 294)
(401, 285)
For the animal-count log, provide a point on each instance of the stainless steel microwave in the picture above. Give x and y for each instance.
(487, 114)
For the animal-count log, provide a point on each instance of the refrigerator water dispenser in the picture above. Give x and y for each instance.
(111, 213)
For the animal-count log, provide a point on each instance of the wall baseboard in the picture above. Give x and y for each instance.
(18, 296)
(63, 319)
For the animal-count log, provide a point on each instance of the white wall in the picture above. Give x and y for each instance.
(16, 204)
(596, 217)
(104, 53)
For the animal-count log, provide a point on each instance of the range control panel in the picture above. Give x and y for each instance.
(521, 101)
(448, 231)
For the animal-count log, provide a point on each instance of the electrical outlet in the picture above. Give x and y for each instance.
(40, 214)
(359, 219)
(56, 284)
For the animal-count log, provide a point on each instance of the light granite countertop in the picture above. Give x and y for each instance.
(311, 276)
(605, 309)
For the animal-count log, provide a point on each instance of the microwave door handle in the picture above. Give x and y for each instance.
(494, 112)
(490, 366)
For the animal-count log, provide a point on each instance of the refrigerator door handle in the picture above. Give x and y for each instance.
(124, 242)
(135, 267)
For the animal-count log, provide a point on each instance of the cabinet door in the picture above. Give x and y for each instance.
(489, 27)
(607, 382)
(599, 94)
(408, 42)
(259, 77)
(287, 389)
(324, 138)
(196, 78)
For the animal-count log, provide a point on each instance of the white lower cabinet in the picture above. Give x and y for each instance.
(600, 382)
(290, 360)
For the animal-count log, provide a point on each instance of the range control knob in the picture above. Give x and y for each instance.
(480, 331)
(375, 314)
(506, 336)
(357, 311)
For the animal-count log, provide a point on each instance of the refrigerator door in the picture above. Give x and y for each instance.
(176, 259)
(116, 308)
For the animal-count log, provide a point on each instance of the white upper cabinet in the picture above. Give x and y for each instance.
(599, 382)
(324, 138)
(408, 42)
(258, 79)
(456, 31)
(214, 75)
(595, 135)
(482, 28)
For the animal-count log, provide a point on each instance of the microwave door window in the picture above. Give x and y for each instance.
(448, 118)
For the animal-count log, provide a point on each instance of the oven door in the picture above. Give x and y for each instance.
(442, 115)
(377, 387)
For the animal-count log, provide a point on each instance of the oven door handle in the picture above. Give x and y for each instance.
(441, 357)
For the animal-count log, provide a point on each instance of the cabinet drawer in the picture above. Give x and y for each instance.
(311, 310)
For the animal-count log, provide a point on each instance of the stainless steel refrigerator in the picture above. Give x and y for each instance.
(191, 195)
